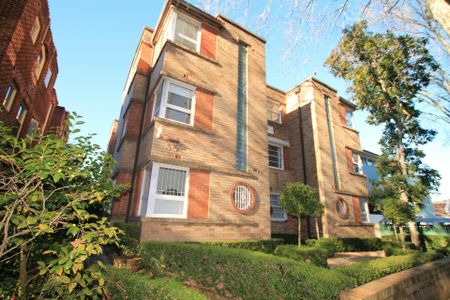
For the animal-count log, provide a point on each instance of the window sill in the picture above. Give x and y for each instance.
(357, 174)
(279, 220)
(275, 168)
(349, 128)
(182, 125)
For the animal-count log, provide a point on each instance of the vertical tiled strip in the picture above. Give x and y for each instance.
(331, 138)
(241, 143)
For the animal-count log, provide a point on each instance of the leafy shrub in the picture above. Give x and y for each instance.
(362, 244)
(364, 272)
(331, 245)
(124, 284)
(291, 239)
(395, 248)
(438, 243)
(130, 238)
(243, 273)
(266, 246)
(317, 256)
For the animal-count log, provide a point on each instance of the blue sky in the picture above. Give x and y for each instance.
(96, 41)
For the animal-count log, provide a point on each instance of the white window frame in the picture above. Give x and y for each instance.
(34, 33)
(171, 28)
(279, 120)
(366, 210)
(33, 120)
(284, 218)
(152, 193)
(10, 95)
(357, 163)
(351, 120)
(164, 84)
(48, 78)
(144, 196)
(281, 154)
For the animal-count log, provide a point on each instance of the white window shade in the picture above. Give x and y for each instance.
(187, 33)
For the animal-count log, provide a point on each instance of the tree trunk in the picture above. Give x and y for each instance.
(317, 228)
(23, 273)
(402, 237)
(299, 230)
(395, 233)
(440, 10)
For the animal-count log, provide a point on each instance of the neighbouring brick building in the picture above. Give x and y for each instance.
(207, 145)
(28, 69)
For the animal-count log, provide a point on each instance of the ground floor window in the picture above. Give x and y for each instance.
(276, 212)
(364, 208)
(164, 191)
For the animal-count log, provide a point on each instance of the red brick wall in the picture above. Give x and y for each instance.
(357, 210)
(198, 194)
(203, 109)
(120, 205)
(286, 157)
(343, 115)
(208, 43)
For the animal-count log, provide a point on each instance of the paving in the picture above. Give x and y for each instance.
(348, 258)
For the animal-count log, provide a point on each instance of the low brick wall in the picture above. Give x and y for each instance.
(429, 281)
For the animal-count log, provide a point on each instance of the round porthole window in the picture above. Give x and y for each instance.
(342, 208)
(243, 198)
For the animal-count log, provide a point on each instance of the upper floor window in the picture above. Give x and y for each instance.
(349, 118)
(276, 156)
(124, 126)
(273, 112)
(35, 29)
(48, 77)
(184, 31)
(21, 113)
(276, 211)
(357, 163)
(40, 61)
(11, 92)
(33, 126)
(175, 101)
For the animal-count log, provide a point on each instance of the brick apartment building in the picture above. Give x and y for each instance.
(207, 145)
(28, 69)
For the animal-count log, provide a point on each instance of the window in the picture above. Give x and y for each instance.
(276, 157)
(33, 126)
(175, 101)
(167, 196)
(357, 164)
(21, 113)
(349, 118)
(243, 199)
(342, 208)
(241, 117)
(124, 127)
(273, 112)
(11, 92)
(364, 208)
(145, 191)
(276, 212)
(187, 33)
(35, 29)
(40, 62)
(48, 78)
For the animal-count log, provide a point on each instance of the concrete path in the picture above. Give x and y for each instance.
(348, 258)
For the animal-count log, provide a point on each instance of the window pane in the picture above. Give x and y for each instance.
(179, 116)
(186, 33)
(158, 102)
(33, 125)
(10, 95)
(48, 76)
(276, 212)
(362, 207)
(168, 207)
(349, 117)
(274, 156)
(171, 182)
(145, 192)
(178, 100)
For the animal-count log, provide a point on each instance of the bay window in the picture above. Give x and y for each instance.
(175, 101)
(183, 30)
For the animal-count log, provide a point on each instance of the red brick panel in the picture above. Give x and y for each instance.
(286, 157)
(198, 194)
(342, 113)
(203, 109)
(357, 210)
(208, 42)
(137, 192)
(349, 153)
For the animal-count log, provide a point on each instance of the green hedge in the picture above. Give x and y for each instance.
(364, 272)
(361, 244)
(290, 239)
(266, 246)
(317, 256)
(130, 238)
(242, 273)
(331, 245)
(124, 284)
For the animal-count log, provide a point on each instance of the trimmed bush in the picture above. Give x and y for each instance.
(361, 244)
(130, 238)
(266, 246)
(240, 272)
(290, 239)
(317, 256)
(331, 245)
(364, 272)
(124, 284)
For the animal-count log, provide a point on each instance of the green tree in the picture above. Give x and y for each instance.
(299, 199)
(387, 72)
(52, 195)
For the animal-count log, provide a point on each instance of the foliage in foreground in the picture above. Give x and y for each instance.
(266, 246)
(52, 196)
(315, 255)
(330, 245)
(125, 284)
(243, 273)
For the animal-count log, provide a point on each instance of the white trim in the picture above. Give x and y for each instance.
(152, 192)
(281, 156)
(279, 142)
(173, 19)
